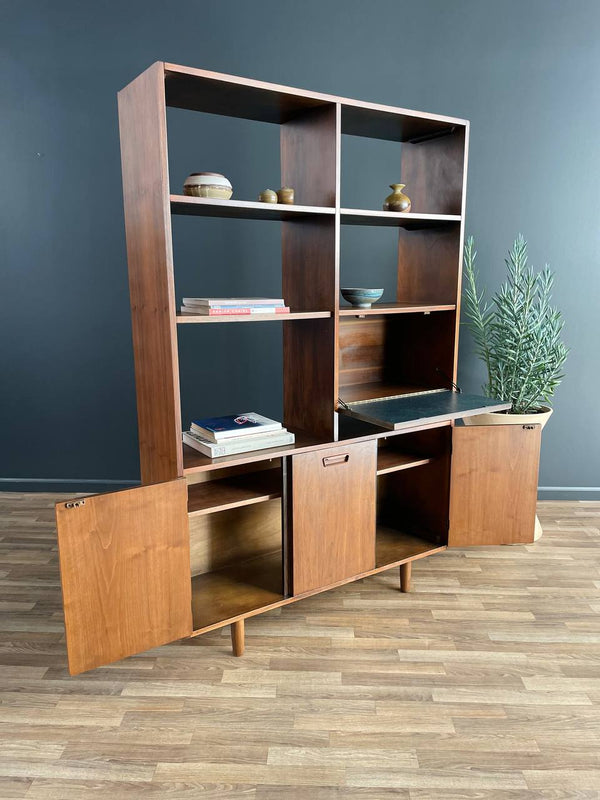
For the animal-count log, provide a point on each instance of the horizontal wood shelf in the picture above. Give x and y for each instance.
(242, 209)
(182, 319)
(229, 95)
(234, 492)
(193, 461)
(394, 219)
(375, 390)
(254, 586)
(389, 460)
(395, 308)
(236, 590)
(395, 547)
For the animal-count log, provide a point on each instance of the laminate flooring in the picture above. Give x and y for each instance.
(483, 682)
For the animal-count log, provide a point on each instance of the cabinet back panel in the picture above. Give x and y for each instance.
(226, 537)
(412, 349)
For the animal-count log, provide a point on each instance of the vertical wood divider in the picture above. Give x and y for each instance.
(310, 267)
(143, 132)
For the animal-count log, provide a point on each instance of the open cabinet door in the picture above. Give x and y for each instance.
(493, 484)
(125, 572)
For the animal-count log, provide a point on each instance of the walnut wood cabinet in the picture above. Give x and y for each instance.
(380, 474)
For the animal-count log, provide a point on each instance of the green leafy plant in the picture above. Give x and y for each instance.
(518, 334)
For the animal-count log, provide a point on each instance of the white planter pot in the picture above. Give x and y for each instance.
(498, 418)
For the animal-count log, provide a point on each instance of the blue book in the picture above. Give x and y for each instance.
(218, 429)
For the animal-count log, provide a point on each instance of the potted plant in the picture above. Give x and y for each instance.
(518, 336)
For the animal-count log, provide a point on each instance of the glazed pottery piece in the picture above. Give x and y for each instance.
(286, 195)
(361, 298)
(268, 196)
(497, 418)
(397, 200)
(208, 184)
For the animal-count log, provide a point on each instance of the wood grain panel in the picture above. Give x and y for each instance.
(227, 537)
(310, 162)
(124, 561)
(308, 156)
(428, 265)
(493, 484)
(142, 124)
(433, 173)
(333, 514)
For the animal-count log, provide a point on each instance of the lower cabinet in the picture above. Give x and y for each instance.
(136, 563)
(332, 508)
(493, 484)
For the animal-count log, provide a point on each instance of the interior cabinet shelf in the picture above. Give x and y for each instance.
(389, 460)
(256, 585)
(236, 590)
(395, 547)
(234, 492)
(394, 219)
(193, 461)
(242, 209)
(182, 319)
(395, 308)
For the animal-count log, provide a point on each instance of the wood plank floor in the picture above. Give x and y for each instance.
(484, 682)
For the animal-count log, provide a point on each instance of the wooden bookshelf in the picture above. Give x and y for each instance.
(241, 490)
(394, 547)
(360, 216)
(394, 308)
(389, 460)
(231, 537)
(183, 319)
(242, 209)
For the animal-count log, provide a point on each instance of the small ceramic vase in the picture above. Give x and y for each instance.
(397, 200)
(286, 195)
(208, 184)
(268, 196)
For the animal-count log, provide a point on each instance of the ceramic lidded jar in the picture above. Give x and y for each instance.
(208, 184)
(268, 196)
(286, 195)
(397, 200)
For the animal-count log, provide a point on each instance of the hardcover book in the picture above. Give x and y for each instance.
(217, 429)
(231, 447)
(226, 302)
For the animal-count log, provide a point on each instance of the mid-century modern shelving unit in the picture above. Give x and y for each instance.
(380, 474)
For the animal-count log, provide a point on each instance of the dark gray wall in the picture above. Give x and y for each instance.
(525, 73)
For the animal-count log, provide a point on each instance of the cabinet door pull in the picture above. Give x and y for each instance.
(329, 461)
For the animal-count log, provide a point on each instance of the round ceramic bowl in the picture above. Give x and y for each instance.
(361, 298)
(208, 184)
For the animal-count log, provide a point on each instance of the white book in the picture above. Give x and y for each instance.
(214, 450)
(223, 302)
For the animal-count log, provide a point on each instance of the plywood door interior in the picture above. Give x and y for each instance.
(243, 524)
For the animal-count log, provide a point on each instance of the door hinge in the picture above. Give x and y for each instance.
(75, 504)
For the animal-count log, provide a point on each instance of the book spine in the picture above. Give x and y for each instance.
(274, 304)
(215, 312)
(245, 311)
(219, 450)
(239, 302)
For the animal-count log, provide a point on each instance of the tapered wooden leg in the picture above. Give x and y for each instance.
(405, 572)
(237, 637)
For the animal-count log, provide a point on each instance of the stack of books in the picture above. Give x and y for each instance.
(224, 436)
(223, 306)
